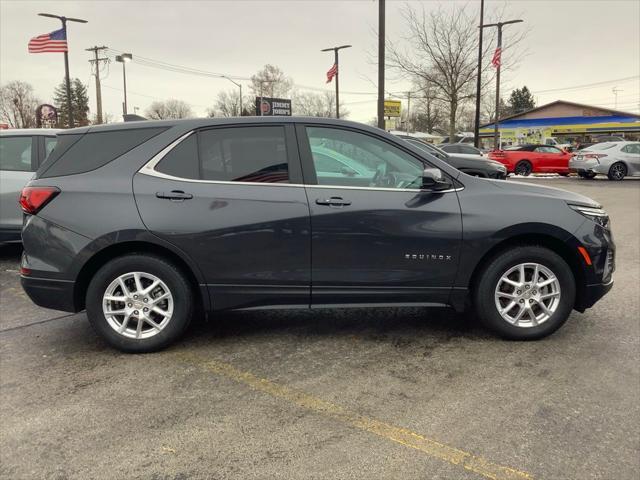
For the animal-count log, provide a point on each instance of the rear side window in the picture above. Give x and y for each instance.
(237, 154)
(15, 153)
(93, 150)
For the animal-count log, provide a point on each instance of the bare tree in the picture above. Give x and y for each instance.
(169, 109)
(271, 82)
(316, 105)
(228, 105)
(443, 54)
(18, 105)
(427, 112)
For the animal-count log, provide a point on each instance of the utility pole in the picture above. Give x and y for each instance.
(97, 61)
(335, 51)
(381, 64)
(476, 128)
(67, 80)
(408, 111)
(615, 91)
(498, 55)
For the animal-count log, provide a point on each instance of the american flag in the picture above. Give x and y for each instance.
(332, 72)
(495, 61)
(49, 42)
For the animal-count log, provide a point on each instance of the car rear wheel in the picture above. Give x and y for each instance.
(139, 303)
(523, 168)
(525, 293)
(617, 171)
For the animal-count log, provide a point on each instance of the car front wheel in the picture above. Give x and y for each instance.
(525, 293)
(139, 303)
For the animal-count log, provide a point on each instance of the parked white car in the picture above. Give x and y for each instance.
(616, 160)
(21, 153)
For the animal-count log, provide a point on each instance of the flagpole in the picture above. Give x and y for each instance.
(67, 79)
(337, 88)
(498, 65)
(66, 74)
(335, 51)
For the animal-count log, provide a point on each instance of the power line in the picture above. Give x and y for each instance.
(586, 85)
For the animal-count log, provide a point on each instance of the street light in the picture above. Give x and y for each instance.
(499, 50)
(240, 87)
(124, 58)
(262, 82)
(335, 51)
(64, 21)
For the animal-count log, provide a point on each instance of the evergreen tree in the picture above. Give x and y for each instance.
(521, 100)
(79, 103)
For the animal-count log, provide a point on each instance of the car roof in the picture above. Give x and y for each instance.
(19, 132)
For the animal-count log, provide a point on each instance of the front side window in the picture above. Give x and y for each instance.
(547, 150)
(15, 153)
(375, 162)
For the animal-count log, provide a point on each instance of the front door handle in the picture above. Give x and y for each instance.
(175, 195)
(333, 201)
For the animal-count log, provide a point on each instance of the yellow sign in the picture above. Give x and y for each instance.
(392, 108)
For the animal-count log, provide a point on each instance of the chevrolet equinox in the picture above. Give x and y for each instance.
(144, 223)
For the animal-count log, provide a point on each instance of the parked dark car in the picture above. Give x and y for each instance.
(22, 151)
(469, 164)
(144, 223)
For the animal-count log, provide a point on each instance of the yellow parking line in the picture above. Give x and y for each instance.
(399, 435)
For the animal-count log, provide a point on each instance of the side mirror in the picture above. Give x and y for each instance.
(434, 180)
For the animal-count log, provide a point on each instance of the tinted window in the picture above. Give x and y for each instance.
(380, 163)
(15, 153)
(244, 154)
(633, 148)
(182, 160)
(469, 150)
(49, 145)
(94, 150)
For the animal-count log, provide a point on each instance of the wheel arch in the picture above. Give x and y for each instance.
(567, 249)
(102, 256)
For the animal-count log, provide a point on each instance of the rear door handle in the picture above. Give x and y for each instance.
(175, 195)
(333, 201)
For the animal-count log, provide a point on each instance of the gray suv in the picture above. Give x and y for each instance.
(21, 153)
(142, 224)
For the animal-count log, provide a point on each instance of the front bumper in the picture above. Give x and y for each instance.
(592, 294)
(50, 293)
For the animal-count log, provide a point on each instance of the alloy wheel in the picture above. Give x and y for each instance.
(137, 305)
(527, 295)
(618, 171)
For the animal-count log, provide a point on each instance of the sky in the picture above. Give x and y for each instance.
(570, 45)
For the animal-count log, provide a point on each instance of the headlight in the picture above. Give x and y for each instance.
(595, 214)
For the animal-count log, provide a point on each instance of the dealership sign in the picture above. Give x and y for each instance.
(266, 106)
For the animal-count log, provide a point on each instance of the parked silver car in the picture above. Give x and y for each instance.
(21, 153)
(616, 160)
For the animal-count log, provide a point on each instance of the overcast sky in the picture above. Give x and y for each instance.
(570, 43)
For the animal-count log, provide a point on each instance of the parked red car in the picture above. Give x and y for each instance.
(527, 159)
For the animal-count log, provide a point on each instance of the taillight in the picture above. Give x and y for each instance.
(33, 199)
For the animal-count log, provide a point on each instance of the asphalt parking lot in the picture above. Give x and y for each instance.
(352, 394)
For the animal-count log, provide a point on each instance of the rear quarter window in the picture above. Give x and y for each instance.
(15, 153)
(78, 153)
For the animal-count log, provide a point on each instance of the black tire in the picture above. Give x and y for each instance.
(563, 174)
(173, 278)
(524, 168)
(487, 281)
(587, 175)
(617, 171)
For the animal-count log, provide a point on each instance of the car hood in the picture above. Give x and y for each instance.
(546, 192)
